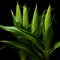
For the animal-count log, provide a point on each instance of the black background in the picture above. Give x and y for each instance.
(6, 19)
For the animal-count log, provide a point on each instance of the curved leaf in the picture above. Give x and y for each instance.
(24, 34)
(14, 19)
(41, 23)
(23, 47)
(3, 47)
(56, 45)
(48, 37)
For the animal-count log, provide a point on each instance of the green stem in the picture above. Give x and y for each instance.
(22, 55)
(46, 56)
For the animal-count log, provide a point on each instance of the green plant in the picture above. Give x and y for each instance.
(28, 35)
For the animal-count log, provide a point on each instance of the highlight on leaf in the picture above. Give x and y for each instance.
(25, 17)
(48, 18)
(19, 14)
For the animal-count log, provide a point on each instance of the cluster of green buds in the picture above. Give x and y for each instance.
(28, 34)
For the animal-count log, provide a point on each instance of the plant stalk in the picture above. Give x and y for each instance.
(22, 55)
(46, 56)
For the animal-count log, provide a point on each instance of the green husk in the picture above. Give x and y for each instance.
(34, 24)
(48, 18)
(18, 14)
(25, 17)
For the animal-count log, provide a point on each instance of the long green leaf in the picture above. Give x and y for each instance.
(15, 22)
(23, 33)
(56, 45)
(3, 47)
(48, 37)
(10, 29)
(41, 23)
(23, 47)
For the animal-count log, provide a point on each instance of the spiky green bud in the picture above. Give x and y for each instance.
(25, 17)
(34, 24)
(48, 18)
(18, 14)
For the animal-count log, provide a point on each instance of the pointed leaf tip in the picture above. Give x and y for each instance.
(56, 45)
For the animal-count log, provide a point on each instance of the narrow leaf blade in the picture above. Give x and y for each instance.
(56, 45)
(14, 19)
(23, 47)
(24, 34)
